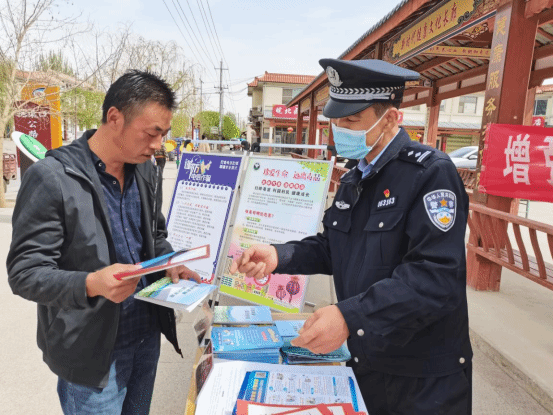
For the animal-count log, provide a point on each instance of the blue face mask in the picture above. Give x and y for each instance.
(352, 144)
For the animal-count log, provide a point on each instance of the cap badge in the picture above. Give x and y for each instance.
(333, 76)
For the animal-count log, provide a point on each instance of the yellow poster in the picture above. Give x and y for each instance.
(42, 94)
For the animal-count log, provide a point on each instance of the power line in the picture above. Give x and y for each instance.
(206, 21)
(210, 34)
(199, 30)
(191, 30)
(203, 64)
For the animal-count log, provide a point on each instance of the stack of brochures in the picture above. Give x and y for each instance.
(253, 343)
(242, 315)
(289, 329)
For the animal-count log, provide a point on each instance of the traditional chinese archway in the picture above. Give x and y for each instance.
(460, 47)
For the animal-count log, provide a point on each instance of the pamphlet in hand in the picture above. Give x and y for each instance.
(184, 295)
(165, 262)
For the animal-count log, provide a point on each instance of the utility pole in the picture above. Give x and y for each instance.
(201, 95)
(221, 98)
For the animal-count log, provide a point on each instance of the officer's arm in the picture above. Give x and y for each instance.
(308, 256)
(37, 239)
(430, 282)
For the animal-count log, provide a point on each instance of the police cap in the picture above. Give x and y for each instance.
(356, 85)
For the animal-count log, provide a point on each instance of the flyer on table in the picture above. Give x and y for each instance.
(281, 200)
(201, 205)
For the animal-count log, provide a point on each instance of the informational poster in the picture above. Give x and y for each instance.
(201, 205)
(281, 200)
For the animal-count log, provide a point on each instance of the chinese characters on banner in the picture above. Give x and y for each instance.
(538, 121)
(280, 111)
(34, 121)
(518, 162)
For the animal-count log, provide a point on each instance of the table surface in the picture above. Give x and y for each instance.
(191, 397)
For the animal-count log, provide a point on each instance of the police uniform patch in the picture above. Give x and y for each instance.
(441, 206)
(342, 205)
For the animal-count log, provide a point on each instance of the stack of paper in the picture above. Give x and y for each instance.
(234, 315)
(289, 329)
(254, 408)
(253, 344)
(278, 385)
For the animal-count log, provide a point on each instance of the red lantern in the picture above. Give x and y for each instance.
(293, 287)
(290, 129)
(280, 293)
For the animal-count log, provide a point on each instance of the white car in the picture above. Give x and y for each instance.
(465, 157)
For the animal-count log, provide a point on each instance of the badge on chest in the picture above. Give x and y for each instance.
(387, 202)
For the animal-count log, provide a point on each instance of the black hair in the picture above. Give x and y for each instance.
(381, 107)
(134, 90)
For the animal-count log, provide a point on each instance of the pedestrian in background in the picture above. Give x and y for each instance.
(161, 157)
(394, 241)
(203, 147)
(86, 212)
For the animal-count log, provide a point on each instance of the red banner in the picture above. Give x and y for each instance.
(34, 120)
(280, 111)
(518, 162)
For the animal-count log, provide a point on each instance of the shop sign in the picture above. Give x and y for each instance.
(281, 111)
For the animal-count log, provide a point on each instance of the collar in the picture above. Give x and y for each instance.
(367, 167)
(390, 152)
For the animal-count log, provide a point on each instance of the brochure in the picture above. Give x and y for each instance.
(165, 262)
(289, 328)
(297, 388)
(299, 355)
(242, 315)
(184, 295)
(228, 339)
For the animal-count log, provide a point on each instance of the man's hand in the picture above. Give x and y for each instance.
(323, 332)
(102, 282)
(257, 261)
(182, 273)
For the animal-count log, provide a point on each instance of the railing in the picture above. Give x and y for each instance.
(469, 178)
(491, 233)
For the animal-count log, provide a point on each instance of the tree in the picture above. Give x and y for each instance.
(210, 119)
(180, 124)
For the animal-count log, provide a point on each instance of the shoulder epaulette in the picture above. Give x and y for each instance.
(418, 154)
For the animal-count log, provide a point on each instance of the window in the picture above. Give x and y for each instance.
(415, 108)
(467, 105)
(540, 107)
(287, 95)
(442, 106)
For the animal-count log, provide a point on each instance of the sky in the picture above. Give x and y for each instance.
(278, 36)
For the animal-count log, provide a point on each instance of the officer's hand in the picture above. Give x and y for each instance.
(257, 261)
(323, 332)
(102, 282)
(182, 273)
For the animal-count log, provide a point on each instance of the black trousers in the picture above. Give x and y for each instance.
(386, 394)
(160, 161)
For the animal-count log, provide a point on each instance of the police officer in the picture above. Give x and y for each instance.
(394, 242)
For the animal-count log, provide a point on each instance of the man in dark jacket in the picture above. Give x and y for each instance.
(394, 242)
(84, 213)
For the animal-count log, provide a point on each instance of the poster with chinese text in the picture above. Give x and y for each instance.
(518, 162)
(281, 200)
(201, 205)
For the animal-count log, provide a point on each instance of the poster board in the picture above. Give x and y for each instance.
(281, 199)
(201, 206)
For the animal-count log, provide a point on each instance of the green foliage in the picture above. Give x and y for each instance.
(85, 105)
(179, 124)
(55, 62)
(210, 119)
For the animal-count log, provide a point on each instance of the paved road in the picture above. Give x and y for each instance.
(27, 386)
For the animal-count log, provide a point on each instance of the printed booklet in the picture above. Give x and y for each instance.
(232, 315)
(238, 339)
(166, 261)
(184, 295)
